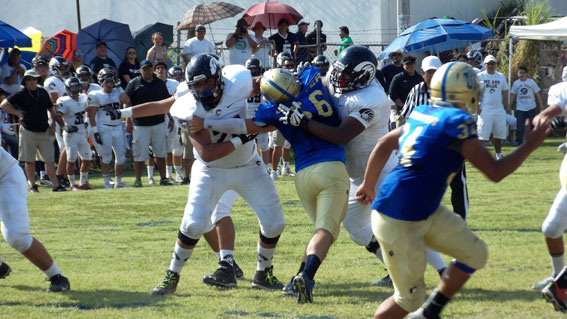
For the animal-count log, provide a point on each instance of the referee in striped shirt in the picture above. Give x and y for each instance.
(419, 95)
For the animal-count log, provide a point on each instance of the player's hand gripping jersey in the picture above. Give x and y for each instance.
(316, 104)
(429, 156)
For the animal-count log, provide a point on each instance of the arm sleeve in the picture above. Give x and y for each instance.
(229, 126)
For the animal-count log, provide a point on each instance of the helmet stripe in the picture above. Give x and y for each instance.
(443, 93)
(272, 83)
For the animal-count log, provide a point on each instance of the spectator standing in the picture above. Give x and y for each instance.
(197, 44)
(31, 105)
(101, 60)
(158, 52)
(263, 49)
(12, 72)
(392, 69)
(240, 44)
(150, 130)
(526, 91)
(41, 66)
(283, 41)
(302, 54)
(346, 41)
(402, 84)
(312, 39)
(493, 105)
(129, 68)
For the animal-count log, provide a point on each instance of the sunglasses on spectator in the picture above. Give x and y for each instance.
(131, 52)
(79, 53)
(158, 38)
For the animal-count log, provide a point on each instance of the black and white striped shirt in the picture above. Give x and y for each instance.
(418, 95)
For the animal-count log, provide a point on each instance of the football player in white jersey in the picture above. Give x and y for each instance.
(72, 109)
(55, 86)
(182, 148)
(255, 66)
(223, 162)
(16, 226)
(107, 132)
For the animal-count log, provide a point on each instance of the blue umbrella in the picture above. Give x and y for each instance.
(438, 35)
(116, 35)
(10, 36)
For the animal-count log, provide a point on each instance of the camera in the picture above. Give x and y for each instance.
(243, 30)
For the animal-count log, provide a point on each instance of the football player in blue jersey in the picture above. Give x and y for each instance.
(322, 180)
(432, 146)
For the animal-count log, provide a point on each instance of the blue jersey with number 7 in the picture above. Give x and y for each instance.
(428, 159)
(316, 104)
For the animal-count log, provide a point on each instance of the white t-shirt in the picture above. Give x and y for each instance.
(240, 50)
(263, 53)
(6, 72)
(195, 46)
(558, 95)
(492, 86)
(238, 86)
(525, 94)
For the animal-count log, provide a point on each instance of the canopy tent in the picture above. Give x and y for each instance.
(551, 31)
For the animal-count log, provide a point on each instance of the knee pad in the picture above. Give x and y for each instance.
(272, 231)
(120, 159)
(556, 221)
(478, 256)
(106, 156)
(359, 232)
(552, 229)
(19, 241)
(186, 240)
(268, 240)
(412, 300)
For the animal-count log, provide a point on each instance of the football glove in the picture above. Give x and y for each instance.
(245, 138)
(293, 116)
(557, 123)
(301, 66)
(70, 128)
(112, 112)
(97, 138)
(562, 148)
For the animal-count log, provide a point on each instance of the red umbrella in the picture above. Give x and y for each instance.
(269, 13)
(63, 42)
(207, 13)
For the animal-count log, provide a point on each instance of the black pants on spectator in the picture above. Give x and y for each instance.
(459, 193)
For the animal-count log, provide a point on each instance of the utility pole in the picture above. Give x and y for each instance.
(403, 13)
(78, 13)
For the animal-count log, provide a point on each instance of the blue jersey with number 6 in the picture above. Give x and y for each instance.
(429, 156)
(316, 104)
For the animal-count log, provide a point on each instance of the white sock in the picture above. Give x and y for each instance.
(150, 171)
(106, 179)
(499, 154)
(265, 256)
(118, 178)
(178, 171)
(379, 254)
(168, 171)
(84, 177)
(217, 253)
(52, 271)
(71, 179)
(227, 255)
(558, 263)
(179, 258)
(42, 174)
(286, 164)
(434, 259)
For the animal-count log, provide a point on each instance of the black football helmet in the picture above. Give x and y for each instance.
(59, 66)
(85, 74)
(106, 74)
(322, 63)
(39, 60)
(73, 86)
(176, 73)
(475, 57)
(357, 61)
(282, 57)
(254, 65)
(201, 68)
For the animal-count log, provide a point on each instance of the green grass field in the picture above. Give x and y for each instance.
(114, 245)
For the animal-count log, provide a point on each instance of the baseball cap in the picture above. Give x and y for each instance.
(242, 23)
(489, 58)
(30, 73)
(430, 63)
(200, 27)
(100, 42)
(303, 23)
(408, 59)
(146, 63)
